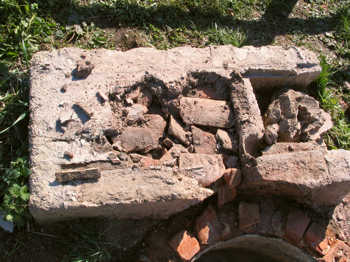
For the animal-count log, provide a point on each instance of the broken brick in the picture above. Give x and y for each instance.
(208, 227)
(185, 245)
(203, 142)
(249, 216)
(318, 238)
(339, 252)
(297, 223)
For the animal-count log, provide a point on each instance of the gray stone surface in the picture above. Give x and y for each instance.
(68, 114)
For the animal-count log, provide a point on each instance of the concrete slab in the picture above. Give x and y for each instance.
(73, 127)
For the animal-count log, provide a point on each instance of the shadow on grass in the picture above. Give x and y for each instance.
(274, 22)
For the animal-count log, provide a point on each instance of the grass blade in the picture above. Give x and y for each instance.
(20, 118)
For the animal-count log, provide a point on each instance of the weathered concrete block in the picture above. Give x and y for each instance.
(69, 114)
(249, 123)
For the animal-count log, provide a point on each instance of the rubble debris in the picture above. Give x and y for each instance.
(226, 141)
(138, 139)
(73, 175)
(83, 69)
(217, 113)
(143, 139)
(248, 120)
(205, 168)
(145, 97)
(176, 130)
(174, 152)
(295, 117)
(319, 238)
(167, 143)
(271, 134)
(203, 142)
(341, 218)
(129, 102)
(135, 113)
(338, 252)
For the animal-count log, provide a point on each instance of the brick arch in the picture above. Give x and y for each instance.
(261, 247)
(273, 228)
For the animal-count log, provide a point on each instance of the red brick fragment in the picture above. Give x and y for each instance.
(297, 223)
(226, 195)
(339, 252)
(185, 245)
(208, 227)
(232, 177)
(249, 216)
(319, 238)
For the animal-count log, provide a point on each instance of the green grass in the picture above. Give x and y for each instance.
(28, 26)
(332, 94)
